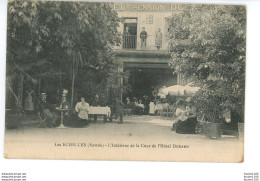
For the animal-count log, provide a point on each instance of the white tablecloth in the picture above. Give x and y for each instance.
(100, 110)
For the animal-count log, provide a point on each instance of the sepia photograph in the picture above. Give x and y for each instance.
(125, 81)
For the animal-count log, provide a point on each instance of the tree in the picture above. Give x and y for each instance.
(68, 34)
(209, 47)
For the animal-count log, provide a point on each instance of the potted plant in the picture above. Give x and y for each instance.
(210, 105)
(239, 118)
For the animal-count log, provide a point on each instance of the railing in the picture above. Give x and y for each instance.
(129, 41)
(136, 42)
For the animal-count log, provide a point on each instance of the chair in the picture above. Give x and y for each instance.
(159, 112)
(171, 112)
(168, 111)
(164, 112)
(43, 120)
(159, 108)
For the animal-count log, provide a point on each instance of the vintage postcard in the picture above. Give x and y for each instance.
(125, 81)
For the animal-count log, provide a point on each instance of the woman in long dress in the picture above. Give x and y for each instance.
(151, 108)
(181, 116)
(158, 39)
(28, 102)
(82, 108)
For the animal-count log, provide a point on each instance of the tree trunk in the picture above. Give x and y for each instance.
(72, 91)
(8, 102)
(19, 102)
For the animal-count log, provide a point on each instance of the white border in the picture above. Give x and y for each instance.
(38, 170)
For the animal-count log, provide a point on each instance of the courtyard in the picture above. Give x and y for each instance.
(138, 138)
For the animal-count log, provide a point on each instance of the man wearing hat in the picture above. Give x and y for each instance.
(45, 108)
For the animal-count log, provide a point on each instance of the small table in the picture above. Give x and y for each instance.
(106, 111)
(100, 110)
(61, 117)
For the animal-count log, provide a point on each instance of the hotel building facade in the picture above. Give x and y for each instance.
(146, 66)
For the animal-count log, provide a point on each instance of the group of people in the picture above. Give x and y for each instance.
(129, 40)
(77, 117)
(138, 106)
(185, 115)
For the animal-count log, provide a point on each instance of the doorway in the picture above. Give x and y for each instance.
(130, 38)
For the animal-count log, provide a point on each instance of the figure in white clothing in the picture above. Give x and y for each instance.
(29, 102)
(182, 113)
(82, 108)
(151, 108)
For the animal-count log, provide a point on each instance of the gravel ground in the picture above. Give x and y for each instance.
(136, 130)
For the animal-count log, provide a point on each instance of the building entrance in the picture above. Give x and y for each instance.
(143, 81)
(130, 35)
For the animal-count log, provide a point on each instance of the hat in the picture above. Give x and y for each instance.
(43, 94)
(65, 91)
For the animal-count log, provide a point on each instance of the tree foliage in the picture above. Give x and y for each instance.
(69, 34)
(54, 27)
(208, 44)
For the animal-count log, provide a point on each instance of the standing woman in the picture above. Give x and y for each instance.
(158, 39)
(29, 100)
(82, 108)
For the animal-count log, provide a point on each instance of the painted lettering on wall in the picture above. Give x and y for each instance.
(146, 7)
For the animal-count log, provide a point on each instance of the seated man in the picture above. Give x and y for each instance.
(45, 108)
(128, 106)
(139, 106)
(128, 103)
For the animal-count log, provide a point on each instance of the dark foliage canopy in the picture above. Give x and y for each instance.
(208, 45)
